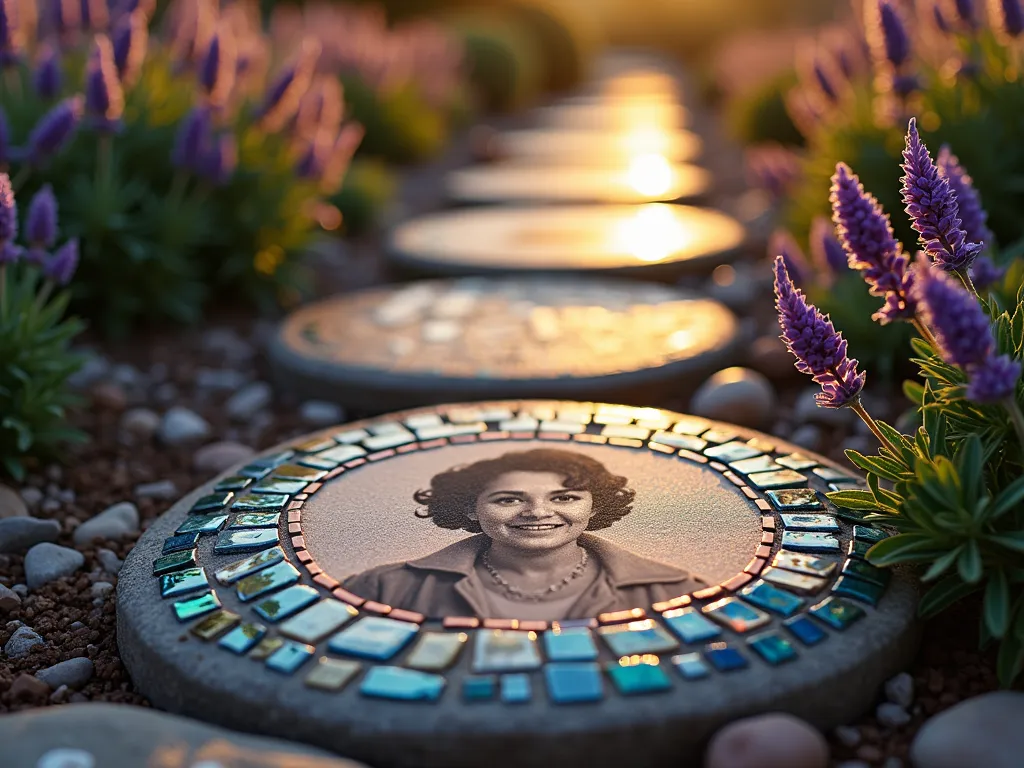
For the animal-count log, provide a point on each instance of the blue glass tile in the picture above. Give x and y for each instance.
(498, 650)
(771, 598)
(806, 564)
(859, 549)
(691, 666)
(174, 562)
(772, 647)
(864, 591)
(183, 582)
(782, 478)
(229, 574)
(267, 580)
(402, 684)
(834, 475)
(796, 461)
(286, 602)
(318, 621)
(645, 636)
(516, 689)
(690, 625)
(289, 657)
(866, 572)
(180, 542)
(807, 522)
(212, 501)
(272, 460)
(573, 682)
(836, 612)
(736, 615)
(298, 472)
(479, 687)
(194, 607)
(374, 637)
(260, 502)
(637, 675)
(202, 524)
(254, 472)
(730, 452)
(867, 533)
(242, 638)
(339, 455)
(276, 485)
(256, 520)
(233, 483)
(805, 630)
(243, 540)
(803, 583)
(800, 541)
(756, 464)
(787, 499)
(572, 644)
(724, 657)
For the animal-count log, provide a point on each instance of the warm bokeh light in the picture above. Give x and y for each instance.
(650, 174)
(652, 234)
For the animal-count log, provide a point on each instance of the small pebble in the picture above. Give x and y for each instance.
(736, 395)
(900, 690)
(892, 715)
(227, 344)
(22, 642)
(101, 589)
(48, 562)
(127, 375)
(28, 688)
(847, 735)
(981, 731)
(248, 401)
(110, 396)
(161, 489)
(110, 562)
(180, 425)
(319, 413)
(166, 393)
(19, 533)
(12, 503)
(217, 457)
(9, 599)
(31, 496)
(767, 741)
(21, 590)
(220, 379)
(139, 424)
(60, 695)
(112, 523)
(49, 506)
(94, 368)
(74, 673)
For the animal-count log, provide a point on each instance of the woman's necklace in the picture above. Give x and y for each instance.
(515, 593)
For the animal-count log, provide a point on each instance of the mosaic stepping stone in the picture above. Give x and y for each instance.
(405, 344)
(567, 146)
(386, 575)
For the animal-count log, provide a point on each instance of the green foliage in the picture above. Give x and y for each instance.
(759, 116)
(502, 61)
(401, 126)
(369, 186)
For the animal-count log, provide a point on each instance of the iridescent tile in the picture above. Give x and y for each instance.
(794, 498)
(267, 580)
(332, 674)
(864, 591)
(421, 420)
(315, 445)
(202, 524)
(520, 424)
(800, 522)
(391, 440)
(689, 442)
(339, 455)
(830, 475)
(783, 478)
(260, 502)
(194, 607)
(690, 625)
(691, 666)
(286, 602)
(254, 471)
(213, 501)
(318, 463)
(240, 541)
(724, 657)
(402, 684)
(289, 657)
(256, 520)
(229, 574)
(720, 436)
(756, 464)
(242, 638)
(350, 436)
(836, 612)
(772, 647)
(691, 425)
(273, 459)
(729, 452)
(806, 564)
(765, 446)
(498, 650)
(771, 598)
(298, 472)
(628, 431)
(869, 534)
(233, 483)
(435, 651)
(570, 644)
(450, 430)
(800, 541)
(318, 621)
(265, 648)
(571, 682)
(567, 427)
(864, 571)
(180, 541)
(479, 687)
(374, 637)
(635, 637)
(796, 461)
(633, 675)
(182, 582)
(859, 549)
(805, 630)
(736, 615)
(215, 624)
(174, 562)
(279, 485)
(516, 689)
(803, 583)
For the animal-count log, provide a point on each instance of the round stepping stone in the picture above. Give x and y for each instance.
(615, 114)
(595, 148)
(482, 583)
(473, 338)
(656, 241)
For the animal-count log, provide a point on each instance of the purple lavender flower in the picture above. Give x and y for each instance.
(903, 85)
(314, 156)
(826, 250)
(10, 33)
(41, 221)
(60, 267)
(823, 79)
(993, 380)
(985, 273)
(1009, 17)
(966, 12)
(55, 129)
(282, 97)
(130, 39)
(819, 349)
(104, 97)
(772, 168)
(94, 14)
(193, 139)
(8, 211)
(954, 315)
(782, 244)
(62, 17)
(895, 40)
(128, 7)
(941, 23)
(321, 106)
(220, 161)
(5, 138)
(973, 217)
(933, 208)
(345, 145)
(193, 31)
(864, 231)
(47, 76)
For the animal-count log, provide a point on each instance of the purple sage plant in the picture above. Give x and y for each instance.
(47, 78)
(5, 138)
(60, 267)
(218, 66)
(282, 98)
(784, 245)
(1007, 17)
(994, 380)
(130, 38)
(826, 251)
(892, 34)
(967, 13)
(104, 97)
(55, 129)
(220, 160)
(973, 217)
(195, 135)
(10, 34)
(41, 220)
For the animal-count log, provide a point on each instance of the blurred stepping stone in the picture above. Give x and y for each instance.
(596, 148)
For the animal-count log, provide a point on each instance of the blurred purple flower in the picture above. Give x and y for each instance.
(895, 41)
(314, 155)
(282, 97)
(193, 30)
(61, 17)
(5, 138)
(94, 14)
(826, 250)
(954, 315)
(823, 79)
(819, 349)
(985, 273)
(41, 221)
(219, 162)
(130, 39)
(939, 16)
(8, 211)
(782, 244)
(60, 267)
(322, 106)
(772, 168)
(55, 129)
(1008, 17)
(193, 140)
(128, 7)
(345, 145)
(47, 78)
(973, 217)
(933, 209)
(10, 33)
(966, 12)
(993, 380)
(104, 97)
(903, 85)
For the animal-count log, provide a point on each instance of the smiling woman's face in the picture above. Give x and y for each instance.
(532, 511)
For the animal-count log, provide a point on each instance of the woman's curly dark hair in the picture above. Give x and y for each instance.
(454, 492)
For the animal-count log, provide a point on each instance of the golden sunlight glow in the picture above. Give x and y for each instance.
(652, 234)
(650, 174)
(643, 141)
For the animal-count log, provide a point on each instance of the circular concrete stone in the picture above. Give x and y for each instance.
(596, 148)
(514, 583)
(618, 113)
(656, 240)
(473, 338)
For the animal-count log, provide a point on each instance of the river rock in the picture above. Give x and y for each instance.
(11, 503)
(161, 490)
(48, 562)
(982, 731)
(248, 401)
(27, 688)
(109, 561)
(139, 423)
(216, 457)
(9, 599)
(74, 673)
(891, 715)
(22, 642)
(900, 690)
(180, 425)
(767, 741)
(737, 395)
(320, 413)
(114, 522)
(19, 533)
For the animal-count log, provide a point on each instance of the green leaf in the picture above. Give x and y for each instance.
(1009, 660)
(913, 391)
(853, 500)
(943, 595)
(969, 460)
(1007, 499)
(997, 603)
(894, 549)
(887, 469)
(942, 564)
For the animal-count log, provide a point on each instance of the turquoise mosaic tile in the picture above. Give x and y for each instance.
(182, 582)
(771, 598)
(498, 650)
(830, 475)
(688, 442)
(787, 499)
(229, 574)
(756, 464)
(174, 562)
(720, 436)
(194, 607)
(318, 621)
(837, 613)
(808, 522)
(256, 520)
(803, 583)
(436, 651)
(691, 625)
(805, 630)
(691, 666)
(730, 452)
(573, 644)
(298, 472)
(691, 425)
(806, 564)
(260, 502)
(318, 463)
(275, 485)
(233, 483)
(809, 541)
(243, 638)
(859, 549)
(865, 591)
(638, 675)
(213, 501)
(783, 478)
(736, 615)
(266, 580)
(772, 647)
(214, 624)
(286, 602)
(402, 684)
(339, 455)
(374, 637)
(864, 571)
(516, 689)
(202, 524)
(289, 657)
(254, 472)
(179, 542)
(725, 658)
(570, 682)
(273, 459)
(636, 637)
(479, 688)
(247, 539)
(315, 445)
(796, 461)
(869, 534)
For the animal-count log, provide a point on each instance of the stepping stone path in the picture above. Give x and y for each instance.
(594, 148)
(519, 337)
(338, 590)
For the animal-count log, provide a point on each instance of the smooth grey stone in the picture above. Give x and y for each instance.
(116, 521)
(216, 457)
(101, 589)
(180, 425)
(121, 735)
(220, 379)
(94, 368)
(900, 690)
(736, 395)
(11, 503)
(49, 506)
(21, 643)
(127, 375)
(74, 673)
(807, 410)
(161, 489)
(31, 495)
(982, 731)
(248, 401)
(9, 599)
(48, 562)
(848, 736)
(891, 715)
(109, 560)
(21, 590)
(141, 423)
(166, 393)
(227, 343)
(768, 741)
(19, 533)
(320, 413)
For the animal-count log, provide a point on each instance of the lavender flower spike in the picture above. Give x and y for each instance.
(55, 129)
(104, 98)
(954, 315)
(1008, 17)
(5, 138)
(10, 33)
(966, 12)
(130, 39)
(193, 139)
(826, 250)
(819, 349)
(940, 18)
(993, 380)
(62, 265)
(986, 273)
(218, 66)
(47, 76)
(782, 244)
(8, 222)
(973, 218)
(894, 38)
(41, 221)
(933, 209)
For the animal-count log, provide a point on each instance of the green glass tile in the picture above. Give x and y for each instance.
(435, 651)
(772, 647)
(864, 591)
(836, 612)
(298, 472)
(265, 648)
(242, 638)
(833, 475)
(730, 452)
(805, 630)
(229, 574)
(180, 542)
(866, 572)
(233, 483)
(245, 539)
(318, 621)
(796, 461)
(633, 675)
(691, 425)
(260, 502)
(571, 644)
(859, 549)
(516, 689)
(635, 637)
(279, 485)
(174, 561)
(800, 541)
(215, 624)
(254, 472)
(332, 674)
(570, 682)
(689, 442)
(317, 462)
(286, 602)
(272, 460)
(339, 455)
(736, 615)
(202, 524)
(194, 607)
(782, 478)
(756, 464)
(212, 502)
(267, 580)
(869, 534)
(289, 657)
(720, 436)
(691, 625)
(256, 520)
(771, 598)
(374, 637)
(402, 684)
(691, 666)
(498, 650)
(315, 445)
(811, 565)
(809, 522)
(479, 687)
(803, 583)
(182, 582)
(787, 499)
